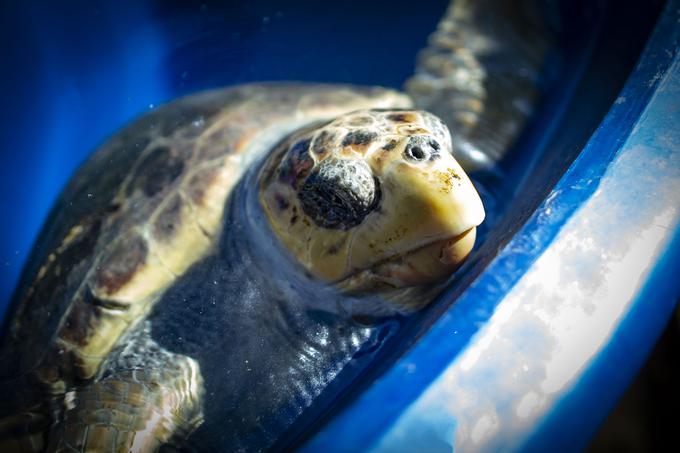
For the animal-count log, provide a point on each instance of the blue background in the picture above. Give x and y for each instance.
(73, 72)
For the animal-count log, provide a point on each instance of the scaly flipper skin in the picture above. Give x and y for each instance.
(479, 74)
(146, 397)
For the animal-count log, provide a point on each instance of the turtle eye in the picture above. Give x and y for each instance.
(340, 193)
(421, 149)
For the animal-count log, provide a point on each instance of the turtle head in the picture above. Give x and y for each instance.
(373, 201)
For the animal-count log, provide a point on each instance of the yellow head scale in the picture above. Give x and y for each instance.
(372, 201)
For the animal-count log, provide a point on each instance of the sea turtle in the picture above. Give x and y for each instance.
(213, 268)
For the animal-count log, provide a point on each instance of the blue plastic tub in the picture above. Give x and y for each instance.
(575, 275)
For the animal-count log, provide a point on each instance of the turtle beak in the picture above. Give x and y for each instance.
(420, 207)
(423, 231)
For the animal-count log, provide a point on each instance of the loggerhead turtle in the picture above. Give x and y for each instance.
(212, 268)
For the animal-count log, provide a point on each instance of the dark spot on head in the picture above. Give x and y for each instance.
(166, 223)
(296, 164)
(389, 146)
(281, 202)
(157, 171)
(120, 264)
(359, 137)
(401, 117)
(299, 154)
(322, 142)
(335, 248)
(293, 220)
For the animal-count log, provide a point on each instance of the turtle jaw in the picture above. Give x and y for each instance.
(425, 229)
(422, 267)
(424, 213)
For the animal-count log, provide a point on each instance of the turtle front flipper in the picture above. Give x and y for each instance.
(148, 397)
(480, 73)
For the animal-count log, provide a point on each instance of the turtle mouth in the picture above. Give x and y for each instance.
(425, 264)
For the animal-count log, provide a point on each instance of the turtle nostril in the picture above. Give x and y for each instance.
(421, 148)
(339, 193)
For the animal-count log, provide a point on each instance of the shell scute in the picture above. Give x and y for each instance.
(119, 266)
(166, 224)
(158, 169)
(83, 317)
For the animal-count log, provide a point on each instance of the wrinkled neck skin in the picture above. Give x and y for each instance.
(289, 279)
(273, 345)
